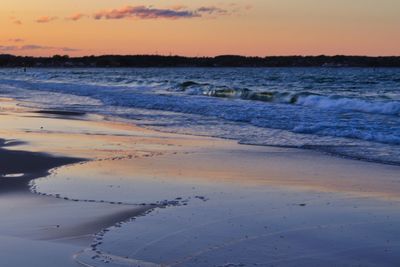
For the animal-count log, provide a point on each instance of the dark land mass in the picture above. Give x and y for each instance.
(178, 61)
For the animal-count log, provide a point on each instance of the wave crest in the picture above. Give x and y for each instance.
(305, 98)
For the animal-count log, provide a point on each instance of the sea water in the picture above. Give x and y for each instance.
(343, 111)
(352, 112)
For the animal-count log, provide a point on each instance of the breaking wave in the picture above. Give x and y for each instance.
(305, 98)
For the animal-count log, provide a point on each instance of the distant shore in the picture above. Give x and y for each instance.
(124, 61)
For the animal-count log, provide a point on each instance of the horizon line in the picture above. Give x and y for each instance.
(197, 56)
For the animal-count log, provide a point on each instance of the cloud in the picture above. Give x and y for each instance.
(13, 48)
(149, 12)
(16, 40)
(76, 17)
(68, 49)
(15, 20)
(34, 47)
(5, 48)
(212, 10)
(143, 12)
(46, 19)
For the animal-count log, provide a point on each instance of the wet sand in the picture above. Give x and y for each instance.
(40, 230)
(219, 197)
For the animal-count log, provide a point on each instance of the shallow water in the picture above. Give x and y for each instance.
(211, 221)
(255, 227)
(222, 208)
(345, 111)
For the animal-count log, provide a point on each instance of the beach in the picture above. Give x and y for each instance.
(81, 189)
(231, 133)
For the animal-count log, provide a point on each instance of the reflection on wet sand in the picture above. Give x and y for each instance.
(206, 201)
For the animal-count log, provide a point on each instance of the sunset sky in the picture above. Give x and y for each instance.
(200, 27)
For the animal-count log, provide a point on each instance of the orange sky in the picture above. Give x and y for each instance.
(200, 28)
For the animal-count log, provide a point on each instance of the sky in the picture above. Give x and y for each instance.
(200, 27)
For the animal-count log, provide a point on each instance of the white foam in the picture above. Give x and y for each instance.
(350, 104)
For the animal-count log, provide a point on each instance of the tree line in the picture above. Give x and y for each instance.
(180, 61)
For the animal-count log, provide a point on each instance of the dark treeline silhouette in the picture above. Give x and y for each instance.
(179, 61)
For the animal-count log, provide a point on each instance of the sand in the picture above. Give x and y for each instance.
(195, 201)
(39, 230)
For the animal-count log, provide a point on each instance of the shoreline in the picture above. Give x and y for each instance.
(149, 170)
(126, 130)
(64, 234)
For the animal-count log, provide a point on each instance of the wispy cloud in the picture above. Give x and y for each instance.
(145, 12)
(150, 12)
(15, 20)
(30, 47)
(6, 48)
(76, 17)
(212, 10)
(69, 49)
(33, 47)
(46, 19)
(16, 40)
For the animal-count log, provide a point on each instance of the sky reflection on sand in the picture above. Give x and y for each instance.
(261, 227)
(236, 204)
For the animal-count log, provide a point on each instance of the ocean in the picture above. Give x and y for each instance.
(347, 112)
